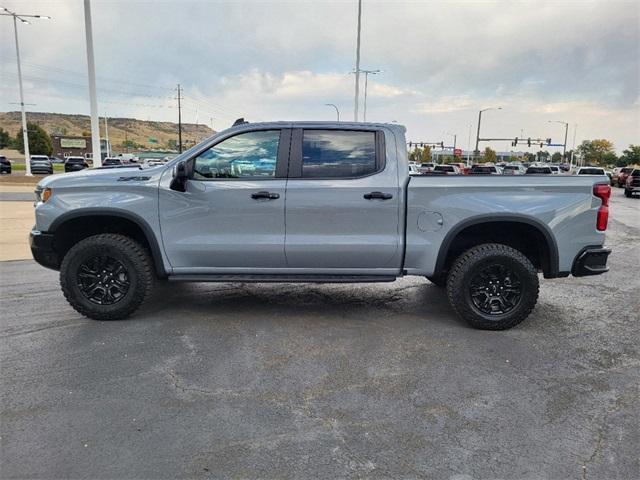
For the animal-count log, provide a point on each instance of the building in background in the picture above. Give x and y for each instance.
(66, 146)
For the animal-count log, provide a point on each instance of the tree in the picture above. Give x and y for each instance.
(594, 152)
(425, 155)
(489, 155)
(543, 156)
(630, 156)
(556, 157)
(39, 141)
(5, 138)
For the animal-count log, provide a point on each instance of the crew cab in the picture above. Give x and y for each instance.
(316, 202)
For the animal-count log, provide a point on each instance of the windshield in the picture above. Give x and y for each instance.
(591, 171)
(538, 170)
(75, 160)
(445, 168)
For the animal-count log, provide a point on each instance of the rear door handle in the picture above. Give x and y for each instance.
(379, 195)
(267, 195)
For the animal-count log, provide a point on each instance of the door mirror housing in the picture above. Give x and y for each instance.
(180, 177)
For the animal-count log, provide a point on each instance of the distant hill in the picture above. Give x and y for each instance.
(141, 132)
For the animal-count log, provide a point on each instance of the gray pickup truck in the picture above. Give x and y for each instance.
(316, 202)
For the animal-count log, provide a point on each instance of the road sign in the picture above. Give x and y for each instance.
(457, 152)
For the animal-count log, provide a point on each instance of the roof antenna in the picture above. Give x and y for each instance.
(239, 121)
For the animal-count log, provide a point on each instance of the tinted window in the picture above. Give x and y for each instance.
(591, 171)
(538, 170)
(483, 170)
(445, 168)
(75, 160)
(328, 153)
(247, 155)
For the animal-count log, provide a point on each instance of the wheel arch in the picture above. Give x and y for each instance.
(506, 229)
(73, 226)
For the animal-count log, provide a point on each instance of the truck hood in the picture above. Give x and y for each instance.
(99, 176)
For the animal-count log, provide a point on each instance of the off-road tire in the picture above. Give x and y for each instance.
(135, 259)
(627, 193)
(439, 281)
(469, 264)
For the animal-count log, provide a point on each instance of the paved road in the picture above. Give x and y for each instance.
(16, 197)
(284, 381)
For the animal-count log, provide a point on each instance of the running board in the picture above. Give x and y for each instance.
(283, 278)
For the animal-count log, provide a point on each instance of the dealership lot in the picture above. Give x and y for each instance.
(324, 381)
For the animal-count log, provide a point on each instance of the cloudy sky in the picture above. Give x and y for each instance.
(574, 61)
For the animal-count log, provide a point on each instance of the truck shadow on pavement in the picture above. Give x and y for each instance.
(409, 298)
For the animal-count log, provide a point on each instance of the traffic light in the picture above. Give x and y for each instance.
(529, 141)
(442, 145)
(410, 144)
(548, 141)
(515, 142)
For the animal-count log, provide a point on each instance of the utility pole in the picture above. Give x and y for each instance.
(93, 100)
(179, 123)
(337, 111)
(106, 135)
(211, 119)
(25, 134)
(357, 95)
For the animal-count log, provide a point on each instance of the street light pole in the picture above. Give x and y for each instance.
(366, 82)
(566, 131)
(337, 111)
(357, 94)
(93, 100)
(477, 152)
(25, 133)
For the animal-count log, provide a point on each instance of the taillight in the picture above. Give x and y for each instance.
(603, 192)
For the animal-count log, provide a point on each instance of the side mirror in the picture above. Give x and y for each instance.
(179, 181)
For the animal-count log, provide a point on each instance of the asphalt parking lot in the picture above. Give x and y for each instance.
(333, 381)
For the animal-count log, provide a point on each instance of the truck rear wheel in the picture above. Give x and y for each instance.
(493, 286)
(107, 276)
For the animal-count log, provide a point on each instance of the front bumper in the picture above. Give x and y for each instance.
(591, 261)
(42, 249)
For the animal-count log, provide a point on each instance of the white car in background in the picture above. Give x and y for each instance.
(591, 171)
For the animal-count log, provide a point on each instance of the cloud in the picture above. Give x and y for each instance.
(442, 61)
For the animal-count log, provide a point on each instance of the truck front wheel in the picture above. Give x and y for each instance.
(492, 286)
(107, 276)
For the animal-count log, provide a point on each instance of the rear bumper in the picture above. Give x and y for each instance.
(42, 249)
(591, 261)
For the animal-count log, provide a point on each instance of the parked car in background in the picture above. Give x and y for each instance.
(74, 164)
(539, 170)
(633, 183)
(565, 167)
(484, 170)
(447, 169)
(40, 164)
(513, 170)
(112, 161)
(414, 169)
(555, 169)
(590, 171)
(620, 179)
(57, 160)
(5, 165)
(426, 167)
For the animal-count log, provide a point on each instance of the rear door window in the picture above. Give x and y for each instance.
(338, 153)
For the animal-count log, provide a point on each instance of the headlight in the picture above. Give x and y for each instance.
(43, 194)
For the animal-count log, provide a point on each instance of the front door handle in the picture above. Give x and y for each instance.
(267, 195)
(380, 195)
